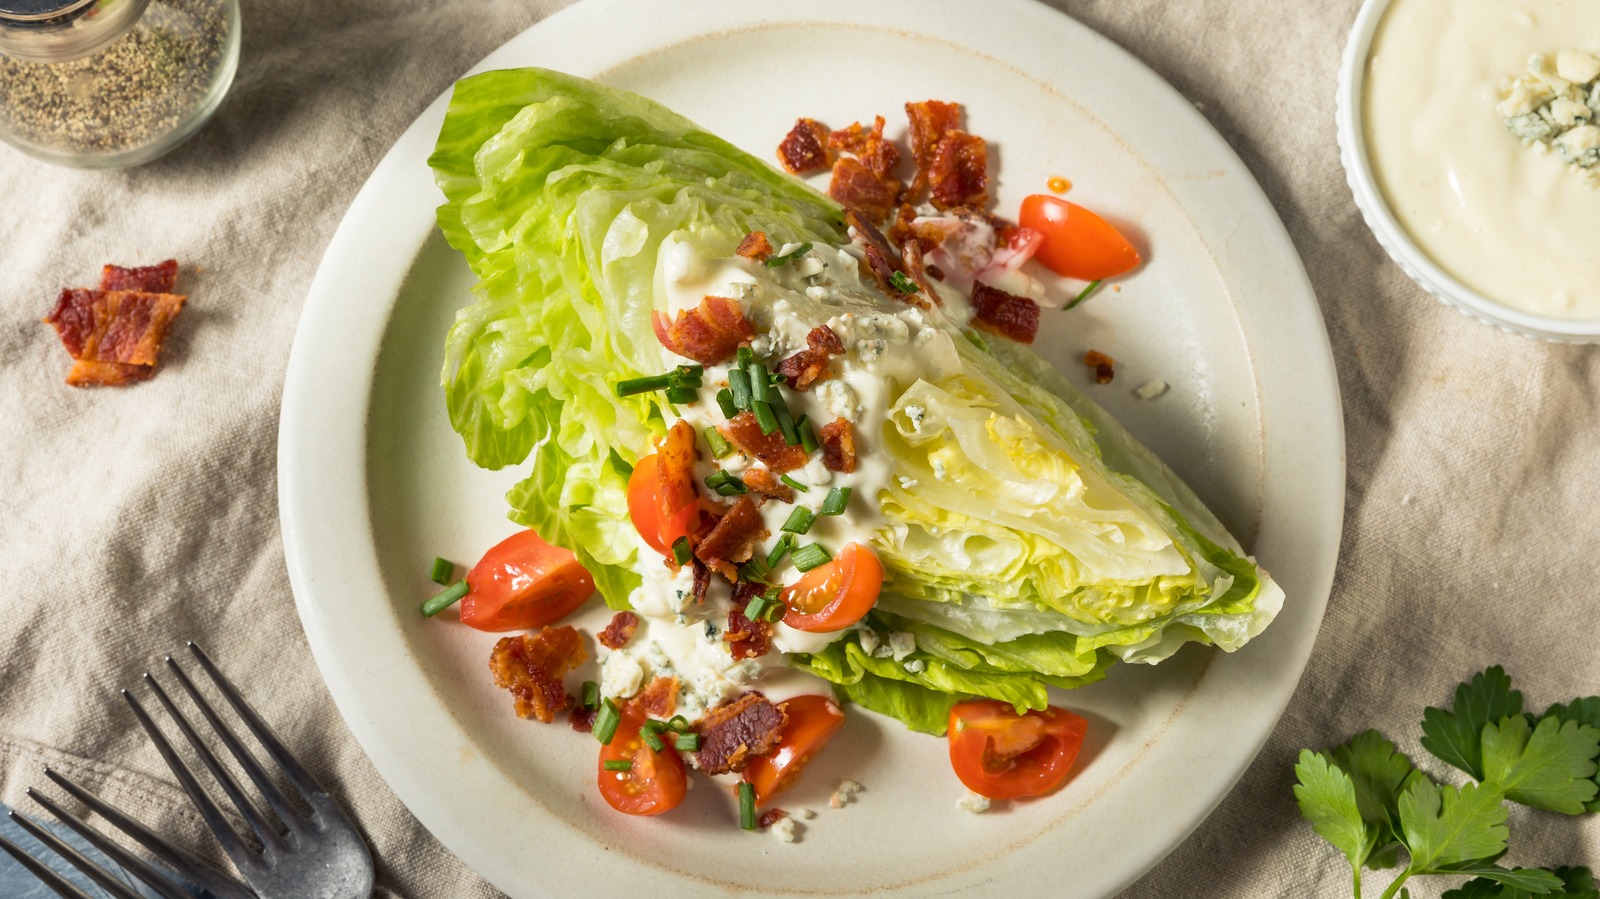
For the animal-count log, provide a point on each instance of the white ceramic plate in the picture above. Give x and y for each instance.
(373, 483)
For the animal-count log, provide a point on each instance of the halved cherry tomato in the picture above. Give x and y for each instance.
(655, 523)
(1077, 243)
(811, 722)
(834, 596)
(1002, 755)
(524, 582)
(654, 784)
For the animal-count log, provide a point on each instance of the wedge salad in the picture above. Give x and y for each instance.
(797, 442)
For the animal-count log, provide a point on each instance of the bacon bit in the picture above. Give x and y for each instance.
(84, 373)
(675, 458)
(1102, 365)
(881, 259)
(702, 581)
(745, 434)
(734, 732)
(839, 446)
(810, 365)
(619, 631)
(733, 539)
(912, 258)
(755, 246)
(159, 278)
(1004, 313)
(959, 173)
(126, 326)
(903, 225)
(764, 482)
(660, 697)
(747, 639)
(582, 719)
(876, 153)
(708, 334)
(805, 149)
(930, 119)
(770, 817)
(857, 188)
(531, 667)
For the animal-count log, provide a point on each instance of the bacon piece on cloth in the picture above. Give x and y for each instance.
(810, 365)
(745, 434)
(531, 667)
(1005, 314)
(707, 334)
(764, 482)
(619, 631)
(876, 153)
(735, 732)
(857, 188)
(805, 148)
(747, 639)
(115, 335)
(755, 246)
(159, 278)
(959, 172)
(839, 446)
(659, 698)
(733, 539)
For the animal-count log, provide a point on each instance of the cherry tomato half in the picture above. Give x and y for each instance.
(811, 722)
(655, 523)
(834, 596)
(1077, 243)
(656, 781)
(1002, 755)
(524, 582)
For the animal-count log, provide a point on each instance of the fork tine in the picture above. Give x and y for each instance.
(279, 753)
(199, 871)
(62, 886)
(231, 843)
(78, 860)
(242, 754)
(265, 832)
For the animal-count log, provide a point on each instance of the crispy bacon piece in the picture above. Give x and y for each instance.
(745, 434)
(747, 639)
(930, 120)
(755, 246)
(857, 188)
(702, 581)
(159, 278)
(659, 698)
(913, 261)
(734, 732)
(126, 326)
(619, 631)
(810, 365)
(764, 482)
(881, 259)
(1102, 364)
(876, 153)
(959, 173)
(770, 817)
(582, 719)
(1003, 313)
(903, 225)
(531, 667)
(805, 148)
(708, 334)
(733, 539)
(839, 446)
(84, 373)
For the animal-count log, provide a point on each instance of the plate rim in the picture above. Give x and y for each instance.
(304, 477)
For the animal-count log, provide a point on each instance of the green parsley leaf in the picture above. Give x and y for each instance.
(1445, 826)
(1456, 736)
(1583, 711)
(1551, 766)
(1327, 798)
(1379, 772)
(1564, 883)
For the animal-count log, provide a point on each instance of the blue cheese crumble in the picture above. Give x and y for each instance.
(1555, 106)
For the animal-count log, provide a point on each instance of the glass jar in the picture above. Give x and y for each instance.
(112, 83)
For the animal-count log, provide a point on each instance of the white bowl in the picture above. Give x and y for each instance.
(1392, 236)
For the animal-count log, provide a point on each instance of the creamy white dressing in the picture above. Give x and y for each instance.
(1510, 222)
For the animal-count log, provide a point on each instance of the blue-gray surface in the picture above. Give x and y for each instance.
(17, 883)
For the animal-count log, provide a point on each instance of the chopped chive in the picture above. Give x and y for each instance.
(754, 570)
(772, 593)
(631, 386)
(678, 724)
(618, 764)
(779, 551)
(726, 403)
(691, 372)
(800, 520)
(725, 483)
(760, 384)
(680, 550)
(793, 483)
(808, 435)
(765, 418)
(776, 611)
(605, 723)
(444, 600)
(746, 356)
(747, 798)
(620, 464)
(683, 396)
(442, 569)
(794, 254)
(591, 695)
(719, 444)
(653, 725)
(1083, 295)
(688, 742)
(810, 556)
(739, 387)
(780, 411)
(650, 738)
(838, 498)
(755, 608)
(900, 282)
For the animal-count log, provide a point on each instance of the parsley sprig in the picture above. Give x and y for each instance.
(1369, 800)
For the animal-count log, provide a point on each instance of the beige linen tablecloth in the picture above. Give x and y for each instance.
(135, 519)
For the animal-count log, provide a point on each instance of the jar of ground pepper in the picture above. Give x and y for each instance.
(112, 83)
